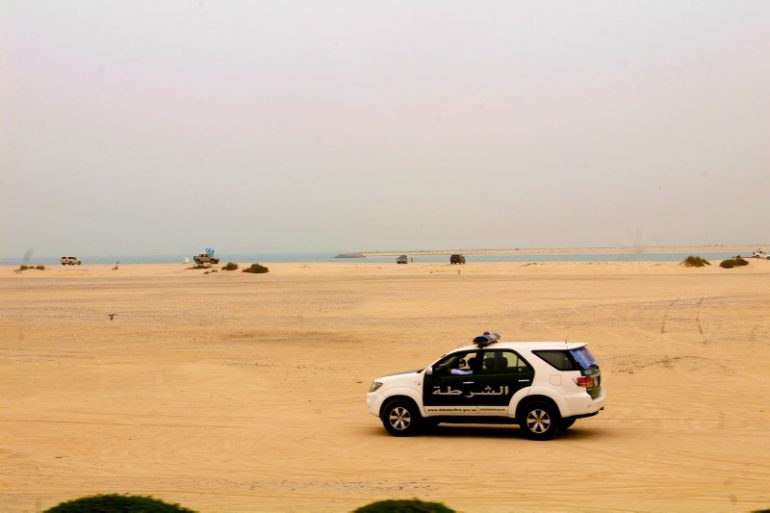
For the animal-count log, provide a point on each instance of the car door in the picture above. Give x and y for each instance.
(503, 373)
(447, 389)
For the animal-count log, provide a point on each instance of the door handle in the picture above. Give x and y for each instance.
(469, 382)
(524, 381)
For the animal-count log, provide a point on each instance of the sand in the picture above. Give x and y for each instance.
(231, 392)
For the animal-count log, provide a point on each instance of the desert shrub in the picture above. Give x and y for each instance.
(114, 503)
(404, 506)
(737, 261)
(199, 266)
(230, 267)
(31, 267)
(256, 268)
(695, 261)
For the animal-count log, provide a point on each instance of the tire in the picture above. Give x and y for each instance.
(540, 421)
(401, 418)
(567, 423)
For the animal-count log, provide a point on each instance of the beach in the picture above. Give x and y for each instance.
(231, 392)
(733, 249)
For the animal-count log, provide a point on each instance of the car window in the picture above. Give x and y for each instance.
(503, 362)
(558, 359)
(583, 357)
(465, 362)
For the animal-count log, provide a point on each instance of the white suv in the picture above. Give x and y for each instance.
(541, 386)
(69, 260)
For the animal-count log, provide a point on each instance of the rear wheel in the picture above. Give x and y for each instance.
(540, 421)
(401, 418)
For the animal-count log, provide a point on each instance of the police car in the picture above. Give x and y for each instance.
(541, 386)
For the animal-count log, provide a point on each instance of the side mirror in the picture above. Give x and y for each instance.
(429, 371)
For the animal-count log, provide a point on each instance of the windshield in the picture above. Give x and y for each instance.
(583, 357)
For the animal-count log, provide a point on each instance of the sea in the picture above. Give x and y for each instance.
(330, 258)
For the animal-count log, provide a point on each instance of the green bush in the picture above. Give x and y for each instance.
(256, 268)
(404, 506)
(114, 503)
(737, 261)
(695, 261)
(230, 267)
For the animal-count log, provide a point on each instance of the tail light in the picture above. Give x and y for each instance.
(584, 381)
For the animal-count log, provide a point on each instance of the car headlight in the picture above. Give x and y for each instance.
(374, 386)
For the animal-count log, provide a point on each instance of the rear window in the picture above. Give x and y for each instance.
(565, 360)
(583, 357)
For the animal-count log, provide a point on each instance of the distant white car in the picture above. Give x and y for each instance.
(760, 254)
(69, 260)
(541, 386)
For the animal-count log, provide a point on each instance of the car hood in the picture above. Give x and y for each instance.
(395, 374)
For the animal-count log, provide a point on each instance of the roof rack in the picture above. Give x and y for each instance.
(486, 339)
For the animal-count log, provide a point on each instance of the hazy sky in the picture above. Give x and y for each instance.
(163, 127)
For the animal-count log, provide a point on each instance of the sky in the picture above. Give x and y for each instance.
(143, 127)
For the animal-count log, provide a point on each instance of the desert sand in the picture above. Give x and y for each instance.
(231, 393)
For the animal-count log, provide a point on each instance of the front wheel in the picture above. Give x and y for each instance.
(401, 418)
(540, 421)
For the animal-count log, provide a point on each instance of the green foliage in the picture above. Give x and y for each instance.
(695, 261)
(114, 503)
(736, 261)
(230, 267)
(404, 506)
(256, 268)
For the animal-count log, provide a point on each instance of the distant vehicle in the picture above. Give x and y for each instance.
(456, 259)
(403, 259)
(69, 260)
(205, 258)
(760, 254)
